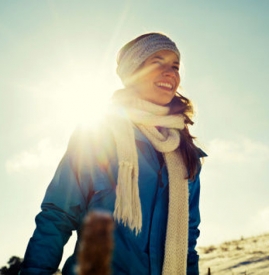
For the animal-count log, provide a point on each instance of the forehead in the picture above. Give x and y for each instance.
(166, 55)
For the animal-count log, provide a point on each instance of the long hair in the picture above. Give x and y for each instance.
(189, 151)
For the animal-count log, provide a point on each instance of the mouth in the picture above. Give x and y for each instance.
(165, 85)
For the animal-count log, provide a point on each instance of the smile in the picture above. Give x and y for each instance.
(165, 85)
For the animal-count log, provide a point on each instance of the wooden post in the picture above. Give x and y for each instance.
(96, 244)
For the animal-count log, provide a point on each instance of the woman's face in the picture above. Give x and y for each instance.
(158, 78)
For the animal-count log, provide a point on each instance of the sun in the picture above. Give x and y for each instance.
(91, 110)
(79, 96)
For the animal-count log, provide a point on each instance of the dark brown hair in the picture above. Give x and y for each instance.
(189, 151)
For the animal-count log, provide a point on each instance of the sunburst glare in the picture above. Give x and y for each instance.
(74, 96)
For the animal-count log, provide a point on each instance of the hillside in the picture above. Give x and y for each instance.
(246, 256)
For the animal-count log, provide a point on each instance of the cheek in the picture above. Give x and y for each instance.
(178, 79)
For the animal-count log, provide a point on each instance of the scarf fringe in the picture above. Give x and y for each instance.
(127, 205)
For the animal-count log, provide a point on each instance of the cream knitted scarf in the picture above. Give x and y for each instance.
(163, 132)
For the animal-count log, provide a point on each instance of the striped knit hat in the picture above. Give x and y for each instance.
(133, 54)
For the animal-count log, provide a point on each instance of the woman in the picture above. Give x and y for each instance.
(141, 164)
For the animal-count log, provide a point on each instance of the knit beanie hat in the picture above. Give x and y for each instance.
(140, 49)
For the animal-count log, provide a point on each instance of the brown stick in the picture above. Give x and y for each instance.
(94, 255)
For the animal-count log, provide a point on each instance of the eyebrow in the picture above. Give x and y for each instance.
(161, 58)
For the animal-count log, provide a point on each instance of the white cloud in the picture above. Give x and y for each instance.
(259, 223)
(42, 155)
(240, 150)
(215, 232)
(210, 233)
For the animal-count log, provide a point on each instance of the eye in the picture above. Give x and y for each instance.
(176, 68)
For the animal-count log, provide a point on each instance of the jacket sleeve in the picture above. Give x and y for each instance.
(62, 209)
(194, 221)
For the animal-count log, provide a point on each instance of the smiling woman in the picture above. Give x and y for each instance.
(140, 163)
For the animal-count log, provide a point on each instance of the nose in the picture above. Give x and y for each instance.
(169, 71)
(172, 73)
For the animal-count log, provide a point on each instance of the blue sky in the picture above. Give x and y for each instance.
(57, 66)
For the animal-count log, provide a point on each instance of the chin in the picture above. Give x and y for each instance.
(164, 102)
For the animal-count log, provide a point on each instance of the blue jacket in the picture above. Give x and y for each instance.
(85, 180)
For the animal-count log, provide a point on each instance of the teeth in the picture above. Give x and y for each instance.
(164, 84)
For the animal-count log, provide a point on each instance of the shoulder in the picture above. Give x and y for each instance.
(85, 136)
(88, 145)
(200, 154)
